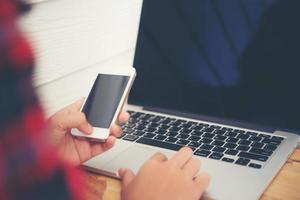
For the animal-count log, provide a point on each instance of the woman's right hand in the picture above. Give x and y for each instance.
(161, 179)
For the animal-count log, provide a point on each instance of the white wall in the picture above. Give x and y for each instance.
(73, 39)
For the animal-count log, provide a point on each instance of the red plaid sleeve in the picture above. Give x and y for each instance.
(29, 167)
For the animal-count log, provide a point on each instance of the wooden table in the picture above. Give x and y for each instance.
(285, 186)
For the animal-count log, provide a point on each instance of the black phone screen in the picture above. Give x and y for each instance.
(104, 99)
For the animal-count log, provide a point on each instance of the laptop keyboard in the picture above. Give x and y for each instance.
(246, 148)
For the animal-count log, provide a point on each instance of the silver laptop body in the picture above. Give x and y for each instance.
(228, 180)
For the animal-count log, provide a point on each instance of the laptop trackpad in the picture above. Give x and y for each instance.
(133, 158)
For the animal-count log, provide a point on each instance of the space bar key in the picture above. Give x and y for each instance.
(157, 143)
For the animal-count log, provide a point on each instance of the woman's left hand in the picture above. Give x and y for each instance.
(77, 150)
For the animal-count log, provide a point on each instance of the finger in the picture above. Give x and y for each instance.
(182, 156)
(126, 176)
(201, 182)
(116, 130)
(78, 104)
(159, 157)
(96, 149)
(76, 120)
(192, 166)
(123, 117)
(109, 143)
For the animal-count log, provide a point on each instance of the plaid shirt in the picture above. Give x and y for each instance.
(29, 167)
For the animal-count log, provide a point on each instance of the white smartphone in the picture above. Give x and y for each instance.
(105, 100)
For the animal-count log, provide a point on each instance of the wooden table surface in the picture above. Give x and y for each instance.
(285, 186)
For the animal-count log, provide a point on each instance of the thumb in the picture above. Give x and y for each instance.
(127, 176)
(77, 104)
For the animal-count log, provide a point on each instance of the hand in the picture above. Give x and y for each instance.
(77, 150)
(161, 179)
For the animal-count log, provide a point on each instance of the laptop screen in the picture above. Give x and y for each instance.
(237, 59)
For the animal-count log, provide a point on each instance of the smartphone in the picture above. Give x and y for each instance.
(105, 100)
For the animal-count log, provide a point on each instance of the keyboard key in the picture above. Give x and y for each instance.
(242, 148)
(171, 133)
(238, 131)
(206, 140)
(136, 114)
(174, 128)
(242, 136)
(198, 127)
(160, 137)
(255, 138)
(244, 142)
(142, 123)
(277, 138)
(194, 138)
(197, 133)
(129, 125)
(185, 131)
(181, 121)
(186, 126)
(160, 132)
(258, 145)
(194, 144)
(182, 136)
(128, 130)
(232, 152)
(218, 143)
(208, 130)
(192, 123)
(270, 147)
(208, 135)
(230, 145)
(264, 152)
(230, 160)
(215, 126)
(242, 161)
(230, 134)
(219, 149)
(138, 133)
(232, 140)
(156, 119)
(149, 135)
(270, 141)
(265, 136)
(220, 137)
(253, 165)
(153, 125)
(176, 123)
(151, 130)
(203, 124)
(250, 133)
(164, 127)
(130, 137)
(216, 156)
(140, 128)
(207, 146)
(226, 129)
(157, 143)
(171, 139)
(165, 121)
(203, 153)
(253, 156)
(182, 142)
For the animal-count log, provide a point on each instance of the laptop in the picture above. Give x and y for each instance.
(210, 76)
